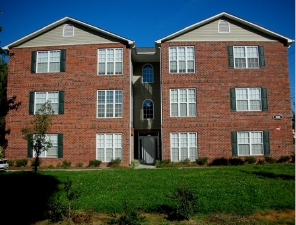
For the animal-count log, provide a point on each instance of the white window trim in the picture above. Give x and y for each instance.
(46, 99)
(186, 60)
(45, 152)
(249, 108)
(143, 110)
(246, 57)
(179, 147)
(250, 143)
(48, 62)
(114, 103)
(152, 74)
(219, 27)
(113, 145)
(187, 102)
(65, 28)
(106, 62)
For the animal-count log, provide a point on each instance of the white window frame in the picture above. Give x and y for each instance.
(46, 100)
(177, 142)
(188, 102)
(55, 144)
(48, 62)
(151, 73)
(250, 142)
(104, 59)
(104, 143)
(177, 58)
(115, 103)
(66, 32)
(220, 29)
(249, 99)
(245, 57)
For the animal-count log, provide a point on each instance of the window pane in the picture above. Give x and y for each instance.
(184, 153)
(175, 154)
(244, 149)
(183, 109)
(173, 67)
(109, 110)
(193, 154)
(109, 154)
(257, 149)
(100, 154)
(242, 105)
(174, 109)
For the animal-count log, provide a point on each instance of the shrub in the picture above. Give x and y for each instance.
(250, 160)
(269, 160)
(236, 161)
(135, 163)
(57, 211)
(220, 162)
(82, 217)
(10, 162)
(94, 163)
(185, 204)
(50, 166)
(163, 163)
(261, 161)
(131, 216)
(79, 164)
(284, 159)
(185, 162)
(34, 160)
(66, 164)
(114, 162)
(21, 162)
(202, 161)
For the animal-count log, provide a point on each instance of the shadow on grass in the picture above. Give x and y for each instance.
(273, 175)
(26, 196)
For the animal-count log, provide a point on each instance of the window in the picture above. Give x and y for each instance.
(109, 104)
(147, 74)
(110, 61)
(183, 146)
(55, 151)
(245, 143)
(223, 27)
(37, 99)
(248, 99)
(183, 102)
(109, 146)
(68, 30)
(181, 59)
(246, 57)
(48, 61)
(148, 109)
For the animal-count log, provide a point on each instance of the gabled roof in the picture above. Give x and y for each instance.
(287, 41)
(65, 20)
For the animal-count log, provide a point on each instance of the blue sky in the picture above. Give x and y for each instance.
(146, 21)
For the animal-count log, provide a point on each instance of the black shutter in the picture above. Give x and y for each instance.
(234, 143)
(230, 57)
(31, 103)
(261, 56)
(264, 99)
(266, 142)
(30, 148)
(63, 60)
(33, 62)
(61, 102)
(60, 145)
(232, 99)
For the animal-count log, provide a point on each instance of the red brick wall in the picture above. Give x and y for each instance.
(80, 82)
(213, 80)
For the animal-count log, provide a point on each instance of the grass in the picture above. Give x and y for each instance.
(239, 190)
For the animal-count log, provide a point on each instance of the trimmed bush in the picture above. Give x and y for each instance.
(34, 160)
(114, 162)
(284, 159)
(185, 162)
(94, 163)
(250, 160)
(21, 162)
(270, 160)
(135, 163)
(202, 161)
(220, 162)
(163, 163)
(236, 161)
(10, 162)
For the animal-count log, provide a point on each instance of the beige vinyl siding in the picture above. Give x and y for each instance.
(209, 32)
(55, 37)
(143, 91)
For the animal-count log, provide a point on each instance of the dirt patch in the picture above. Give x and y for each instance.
(276, 216)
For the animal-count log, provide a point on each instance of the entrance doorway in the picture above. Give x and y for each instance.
(148, 147)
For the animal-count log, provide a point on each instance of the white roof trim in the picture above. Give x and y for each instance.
(61, 21)
(193, 26)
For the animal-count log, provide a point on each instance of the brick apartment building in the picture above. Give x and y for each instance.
(217, 88)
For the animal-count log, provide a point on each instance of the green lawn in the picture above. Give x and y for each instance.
(237, 189)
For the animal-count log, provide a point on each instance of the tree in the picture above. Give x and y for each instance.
(35, 132)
